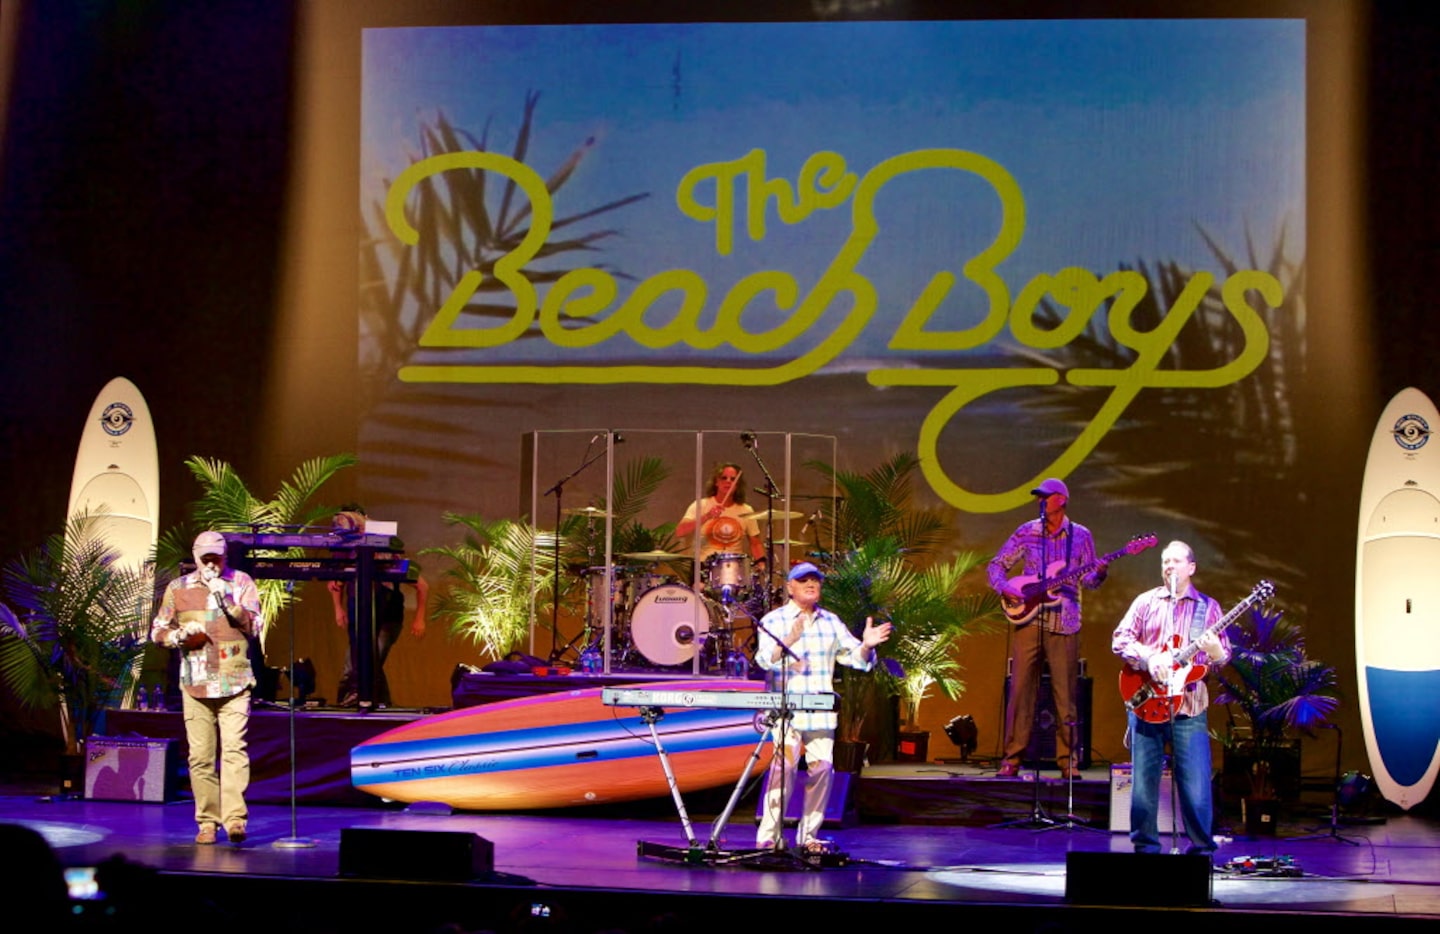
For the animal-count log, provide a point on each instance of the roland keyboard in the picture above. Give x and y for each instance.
(719, 700)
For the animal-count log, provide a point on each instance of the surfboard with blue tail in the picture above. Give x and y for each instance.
(1397, 607)
(560, 750)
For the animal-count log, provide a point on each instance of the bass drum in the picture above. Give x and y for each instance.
(668, 623)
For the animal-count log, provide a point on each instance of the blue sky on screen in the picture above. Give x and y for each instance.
(1122, 135)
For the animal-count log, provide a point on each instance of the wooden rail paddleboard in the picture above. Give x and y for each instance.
(117, 472)
(559, 750)
(1397, 611)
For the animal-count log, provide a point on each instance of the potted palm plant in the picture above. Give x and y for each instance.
(884, 568)
(77, 627)
(1280, 694)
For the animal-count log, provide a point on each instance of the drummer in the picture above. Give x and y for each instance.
(727, 524)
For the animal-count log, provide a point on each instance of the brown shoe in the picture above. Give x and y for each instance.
(235, 831)
(1008, 770)
(206, 836)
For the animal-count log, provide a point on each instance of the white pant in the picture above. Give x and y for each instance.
(819, 748)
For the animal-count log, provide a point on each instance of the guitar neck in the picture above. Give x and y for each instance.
(1217, 627)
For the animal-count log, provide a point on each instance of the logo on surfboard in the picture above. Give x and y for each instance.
(117, 419)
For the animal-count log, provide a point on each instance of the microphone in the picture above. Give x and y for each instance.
(747, 438)
(809, 520)
(619, 438)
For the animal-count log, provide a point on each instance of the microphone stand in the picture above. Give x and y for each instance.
(1334, 831)
(1038, 819)
(781, 735)
(559, 490)
(294, 841)
(753, 446)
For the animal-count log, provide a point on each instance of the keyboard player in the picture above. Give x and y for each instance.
(801, 642)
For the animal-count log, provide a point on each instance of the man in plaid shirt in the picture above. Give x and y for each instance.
(799, 645)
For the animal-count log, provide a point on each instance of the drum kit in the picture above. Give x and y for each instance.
(658, 620)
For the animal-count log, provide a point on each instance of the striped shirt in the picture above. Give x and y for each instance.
(1071, 547)
(1154, 621)
(824, 641)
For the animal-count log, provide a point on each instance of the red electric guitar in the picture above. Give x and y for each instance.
(1033, 596)
(1155, 702)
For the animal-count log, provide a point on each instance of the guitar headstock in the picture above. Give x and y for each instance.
(1141, 542)
(1263, 591)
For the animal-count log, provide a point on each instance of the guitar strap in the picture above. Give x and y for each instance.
(1197, 619)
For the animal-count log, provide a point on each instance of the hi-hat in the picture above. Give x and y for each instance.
(772, 514)
(651, 556)
(590, 511)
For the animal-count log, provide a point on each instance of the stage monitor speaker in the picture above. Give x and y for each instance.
(839, 809)
(1144, 879)
(428, 855)
(1040, 752)
(131, 769)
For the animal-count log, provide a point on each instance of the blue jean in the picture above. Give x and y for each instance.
(1189, 740)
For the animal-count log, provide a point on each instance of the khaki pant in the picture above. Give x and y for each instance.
(819, 746)
(219, 796)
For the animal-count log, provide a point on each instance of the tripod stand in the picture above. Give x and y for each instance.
(1071, 820)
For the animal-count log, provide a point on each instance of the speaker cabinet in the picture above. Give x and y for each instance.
(1040, 752)
(429, 855)
(131, 769)
(1144, 879)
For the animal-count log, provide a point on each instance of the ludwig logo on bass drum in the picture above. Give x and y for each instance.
(117, 419)
(1411, 432)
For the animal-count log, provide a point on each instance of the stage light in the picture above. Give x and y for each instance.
(964, 734)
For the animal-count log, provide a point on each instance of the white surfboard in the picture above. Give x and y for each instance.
(117, 472)
(1397, 608)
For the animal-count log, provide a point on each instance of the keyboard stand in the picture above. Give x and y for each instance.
(693, 852)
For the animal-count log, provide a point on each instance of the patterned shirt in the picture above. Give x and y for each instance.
(745, 516)
(220, 667)
(1071, 547)
(1157, 621)
(824, 641)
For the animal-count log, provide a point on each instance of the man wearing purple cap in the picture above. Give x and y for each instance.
(1051, 637)
(206, 615)
(800, 642)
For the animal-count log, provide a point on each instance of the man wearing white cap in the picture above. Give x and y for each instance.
(801, 642)
(1047, 547)
(206, 615)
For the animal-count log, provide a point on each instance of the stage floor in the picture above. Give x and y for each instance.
(587, 868)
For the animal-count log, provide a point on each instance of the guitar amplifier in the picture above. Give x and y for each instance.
(1121, 791)
(131, 769)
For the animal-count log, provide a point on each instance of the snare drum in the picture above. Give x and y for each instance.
(727, 575)
(669, 622)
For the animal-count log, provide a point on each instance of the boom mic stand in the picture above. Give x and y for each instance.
(559, 490)
(752, 445)
(1038, 819)
(1071, 821)
(1333, 833)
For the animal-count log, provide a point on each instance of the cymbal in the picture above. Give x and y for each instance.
(590, 511)
(773, 514)
(791, 542)
(651, 556)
